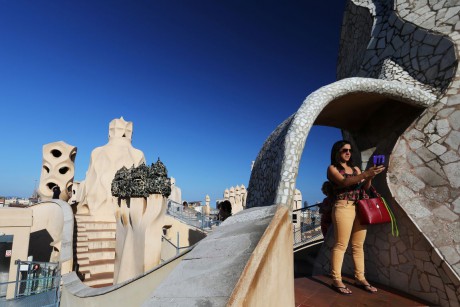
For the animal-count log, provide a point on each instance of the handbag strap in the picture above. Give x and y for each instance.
(394, 225)
(374, 191)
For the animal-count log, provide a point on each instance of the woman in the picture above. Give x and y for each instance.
(225, 210)
(349, 185)
(325, 208)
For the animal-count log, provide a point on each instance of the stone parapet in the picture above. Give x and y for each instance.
(231, 266)
(129, 293)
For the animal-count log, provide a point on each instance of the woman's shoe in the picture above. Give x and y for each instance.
(341, 289)
(366, 286)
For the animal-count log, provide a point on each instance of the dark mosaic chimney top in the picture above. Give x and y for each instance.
(142, 181)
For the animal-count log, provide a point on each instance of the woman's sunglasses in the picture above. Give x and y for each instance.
(345, 150)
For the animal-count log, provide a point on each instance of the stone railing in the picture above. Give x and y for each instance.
(129, 293)
(272, 257)
(230, 267)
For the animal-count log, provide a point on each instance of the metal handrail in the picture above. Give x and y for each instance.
(306, 208)
(190, 216)
(177, 247)
(47, 264)
(309, 229)
(31, 280)
(37, 284)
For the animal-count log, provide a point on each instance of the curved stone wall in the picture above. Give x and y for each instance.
(413, 44)
(266, 171)
(355, 35)
(423, 178)
(275, 170)
(399, 49)
(428, 153)
(424, 174)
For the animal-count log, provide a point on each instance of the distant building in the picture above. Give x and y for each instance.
(14, 201)
(33, 200)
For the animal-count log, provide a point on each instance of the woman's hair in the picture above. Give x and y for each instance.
(335, 155)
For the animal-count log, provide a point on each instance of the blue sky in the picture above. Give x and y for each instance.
(205, 82)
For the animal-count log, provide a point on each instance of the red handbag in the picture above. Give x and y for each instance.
(373, 211)
(376, 211)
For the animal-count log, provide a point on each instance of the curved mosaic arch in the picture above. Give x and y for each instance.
(275, 170)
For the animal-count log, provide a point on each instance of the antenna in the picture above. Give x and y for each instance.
(35, 193)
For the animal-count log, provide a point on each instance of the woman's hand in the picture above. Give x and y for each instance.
(373, 171)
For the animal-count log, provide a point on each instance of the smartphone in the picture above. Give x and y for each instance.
(379, 160)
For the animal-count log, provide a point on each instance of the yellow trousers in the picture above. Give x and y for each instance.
(346, 227)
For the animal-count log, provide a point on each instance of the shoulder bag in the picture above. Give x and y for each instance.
(375, 210)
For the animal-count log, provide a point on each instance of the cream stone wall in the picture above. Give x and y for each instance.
(58, 169)
(188, 235)
(16, 222)
(174, 230)
(55, 217)
(49, 216)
